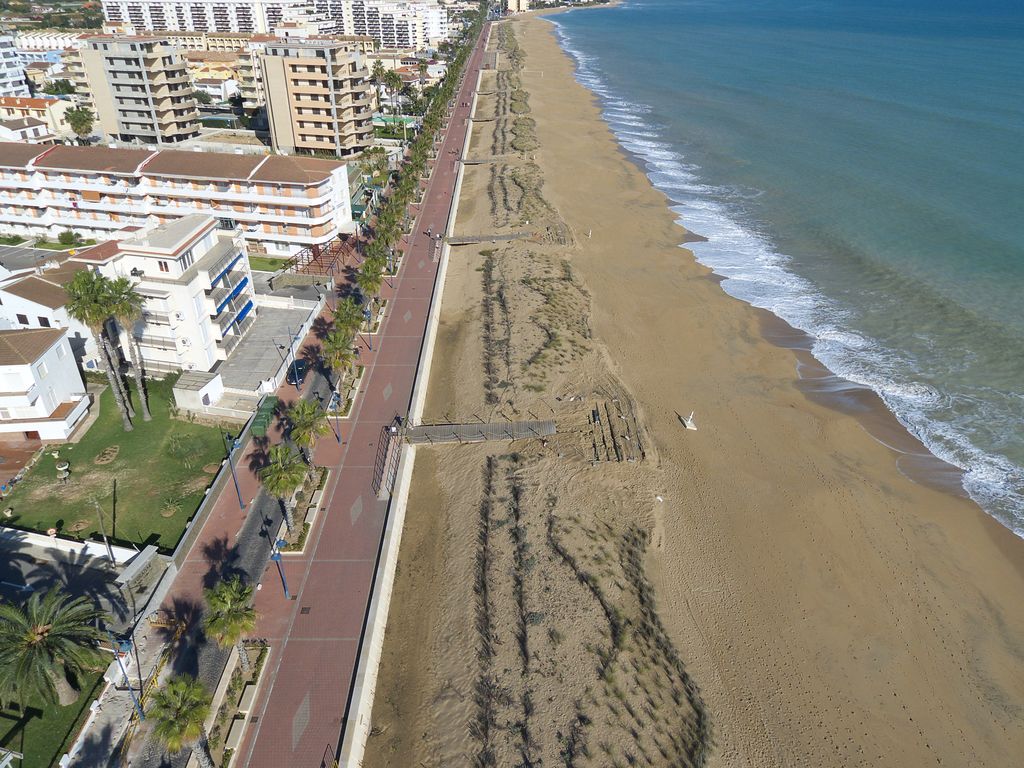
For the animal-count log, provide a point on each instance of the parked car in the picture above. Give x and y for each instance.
(297, 373)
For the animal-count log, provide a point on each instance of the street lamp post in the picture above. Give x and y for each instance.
(275, 555)
(231, 446)
(131, 691)
(367, 316)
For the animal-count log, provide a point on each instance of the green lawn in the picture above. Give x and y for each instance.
(45, 735)
(266, 263)
(161, 470)
(11, 239)
(54, 246)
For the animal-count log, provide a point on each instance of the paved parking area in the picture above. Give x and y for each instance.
(18, 257)
(258, 356)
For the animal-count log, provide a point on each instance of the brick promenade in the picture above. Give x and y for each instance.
(298, 719)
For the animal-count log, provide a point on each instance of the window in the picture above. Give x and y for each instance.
(44, 322)
(62, 352)
(5, 414)
(23, 319)
(41, 370)
(163, 266)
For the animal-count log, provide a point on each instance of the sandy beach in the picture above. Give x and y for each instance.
(769, 590)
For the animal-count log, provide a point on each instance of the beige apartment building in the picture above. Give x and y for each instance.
(138, 88)
(319, 99)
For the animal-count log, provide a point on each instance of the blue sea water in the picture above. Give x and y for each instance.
(858, 168)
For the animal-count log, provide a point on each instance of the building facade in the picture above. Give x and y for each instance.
(318, 97)
(282, 204)
(404, 25)
(12, 76)
(42, 395)
(139, 89)
(201, 15)
(37, 299)
(194, 277)
(49, 110)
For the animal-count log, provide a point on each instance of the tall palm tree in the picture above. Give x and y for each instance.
(127, 309)
(89, 303)
(377, 75)
(179, 711)
(230, 616)
(283, 476)
(51, 636)
(393, 81)
(338, 353)
(308, 424)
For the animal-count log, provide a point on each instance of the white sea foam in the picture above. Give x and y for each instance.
(757, 273)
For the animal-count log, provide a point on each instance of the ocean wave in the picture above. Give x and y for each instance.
(754, 271)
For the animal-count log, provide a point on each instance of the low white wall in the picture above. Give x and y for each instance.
(81, 548)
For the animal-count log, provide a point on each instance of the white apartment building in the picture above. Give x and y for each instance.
(12, 76)
(47, 40)
(195, 278)
(35, 298)
(260, 16)
(405, 25)
(42, 395)
(26, 129)
(282, 204)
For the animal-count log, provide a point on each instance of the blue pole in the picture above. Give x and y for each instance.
(276, 557)
(131, 691)
(231, 448)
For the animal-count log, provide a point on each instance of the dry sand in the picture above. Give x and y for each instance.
(768, 590)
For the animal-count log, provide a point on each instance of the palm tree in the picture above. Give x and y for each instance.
(283, 476)
(338, 353)
(308, 424)
(81, 120)
(51, 636)
(230, 616)
(377, 75)
(127, 308)
(179, 711)
(348, 315)
(422, 67)
(89, 302)
(368, 280)
(393, 81)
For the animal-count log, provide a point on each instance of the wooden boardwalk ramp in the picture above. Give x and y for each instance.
(429, 434)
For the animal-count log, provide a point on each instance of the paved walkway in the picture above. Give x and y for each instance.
(315, 638)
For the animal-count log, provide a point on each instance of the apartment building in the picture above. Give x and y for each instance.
(260, 16)
(35, 298)
(405, 25)
(194, 276)
(283, 204)
(138, 88)
(47, 40)
(12, 77)
(42, 395)
(48, 110)
(318, 97)
(26, 129)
